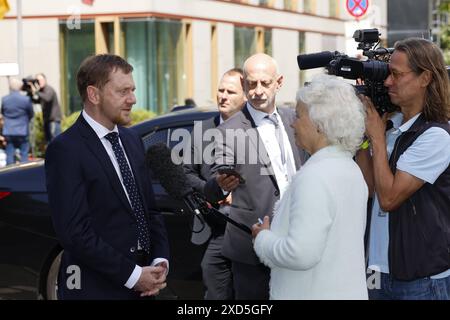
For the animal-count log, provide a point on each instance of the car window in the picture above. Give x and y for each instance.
(154, 137)
(168, 136)
(171, 137)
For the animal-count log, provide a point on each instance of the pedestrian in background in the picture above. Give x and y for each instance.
(51, 110)
(17, 110)
(2, 145)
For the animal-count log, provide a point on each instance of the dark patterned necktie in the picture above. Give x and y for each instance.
(279, 135)
(132, 190)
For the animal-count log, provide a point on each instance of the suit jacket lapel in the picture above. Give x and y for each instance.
(249, 123)
(95, 145)
(287, 119)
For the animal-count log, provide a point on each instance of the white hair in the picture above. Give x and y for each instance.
(336, 110)
(15, 84)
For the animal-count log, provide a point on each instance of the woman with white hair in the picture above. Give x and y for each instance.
(315, 244)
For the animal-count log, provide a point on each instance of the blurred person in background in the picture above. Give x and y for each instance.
(190, 102)
(17, 111)
(2, 145)
(51, 110)
(216, 268)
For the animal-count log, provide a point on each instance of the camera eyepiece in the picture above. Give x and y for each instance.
(367, 36)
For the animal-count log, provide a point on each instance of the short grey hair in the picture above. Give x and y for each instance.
(15, 84)
(336, 110)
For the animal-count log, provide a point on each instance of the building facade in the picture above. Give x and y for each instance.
(179, 48)
(415, 18)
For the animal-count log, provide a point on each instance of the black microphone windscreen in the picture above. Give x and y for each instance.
(171, 176)
(314, 60)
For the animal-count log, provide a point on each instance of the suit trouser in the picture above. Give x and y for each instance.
(216, 270)
(251, 282)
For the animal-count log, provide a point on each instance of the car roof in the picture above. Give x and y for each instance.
(176, 118)
(171, 119)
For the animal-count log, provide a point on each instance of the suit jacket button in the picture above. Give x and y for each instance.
(132, 249)
(277, 193)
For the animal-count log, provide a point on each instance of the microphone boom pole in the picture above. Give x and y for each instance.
(174, 181)
(239, 225)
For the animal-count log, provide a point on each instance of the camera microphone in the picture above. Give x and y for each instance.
(315, 60)
(173, 179)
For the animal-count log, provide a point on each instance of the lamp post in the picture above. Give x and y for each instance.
(20, 58)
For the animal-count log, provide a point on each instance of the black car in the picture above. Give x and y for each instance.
(30, 252)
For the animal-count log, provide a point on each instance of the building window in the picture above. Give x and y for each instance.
(290, 5)
(214, 61)
(155, 48)
(268, 41)
(309, 6)
(248, 41)
(329, 43)
(334, 8)
(244, 44)
(262, 3)
(266, 3)
(238, 1)
(185, 75)
(76, 45)
(107, 35)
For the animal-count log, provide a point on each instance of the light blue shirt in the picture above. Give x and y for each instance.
(427, 158)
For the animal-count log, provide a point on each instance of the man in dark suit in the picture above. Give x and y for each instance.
(17, 111)
(100, 194)
(259, 144)
(216, 268)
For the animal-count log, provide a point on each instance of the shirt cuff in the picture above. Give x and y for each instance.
(158, 260)
(133, 279)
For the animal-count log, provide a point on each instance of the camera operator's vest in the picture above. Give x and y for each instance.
(419, 230)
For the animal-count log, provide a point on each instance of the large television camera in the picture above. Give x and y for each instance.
(372, 72)
(27, 83)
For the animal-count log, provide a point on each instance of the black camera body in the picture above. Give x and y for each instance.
(26, 85)
(372, 72)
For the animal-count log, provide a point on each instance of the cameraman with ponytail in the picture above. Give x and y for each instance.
(407, 169)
